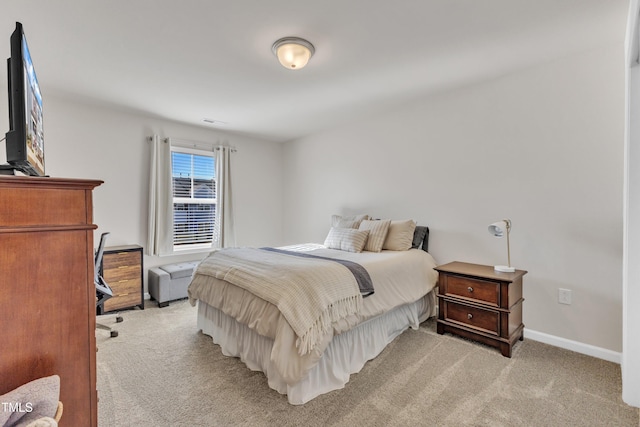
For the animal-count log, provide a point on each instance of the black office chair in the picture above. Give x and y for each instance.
(103, 291)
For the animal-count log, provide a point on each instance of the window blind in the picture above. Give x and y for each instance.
(194, 197)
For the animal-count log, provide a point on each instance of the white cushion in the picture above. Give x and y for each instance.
(346, 239)
(355, 220)
(343, 223)
(400, 235)
(377, 233)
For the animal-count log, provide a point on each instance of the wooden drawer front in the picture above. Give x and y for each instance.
(483, 291)
(120, 259)
(126, 287)
(126, 272)
(477, 318)
(122, 301)
(126, 293)
(23, 207)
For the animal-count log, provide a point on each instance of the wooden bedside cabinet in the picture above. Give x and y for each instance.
(479, 303)
(122, 270)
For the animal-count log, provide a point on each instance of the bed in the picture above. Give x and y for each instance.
(302, 351)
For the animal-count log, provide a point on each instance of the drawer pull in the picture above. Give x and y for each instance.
(470, 289)
(469, 316)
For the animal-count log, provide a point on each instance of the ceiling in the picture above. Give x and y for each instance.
(191, 60)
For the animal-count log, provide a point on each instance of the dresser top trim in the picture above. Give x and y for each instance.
(47, 182)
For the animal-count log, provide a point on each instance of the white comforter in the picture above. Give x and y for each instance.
(399, 277)
(311, 293)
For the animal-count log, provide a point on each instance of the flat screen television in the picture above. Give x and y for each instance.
(24, 141)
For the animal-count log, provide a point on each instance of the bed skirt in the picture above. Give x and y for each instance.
(345, 355)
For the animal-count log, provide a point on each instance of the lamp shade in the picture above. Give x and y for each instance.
(293, 52)
(499, 229)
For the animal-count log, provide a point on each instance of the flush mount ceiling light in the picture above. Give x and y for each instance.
(293, 52)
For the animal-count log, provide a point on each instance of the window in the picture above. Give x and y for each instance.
(194, 198)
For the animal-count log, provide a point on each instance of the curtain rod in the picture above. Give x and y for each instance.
(197, 144)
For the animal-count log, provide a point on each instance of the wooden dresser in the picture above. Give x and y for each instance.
(122, 270)
(47, 294)
(479, 303)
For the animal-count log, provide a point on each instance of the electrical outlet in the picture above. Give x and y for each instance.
(564, 296)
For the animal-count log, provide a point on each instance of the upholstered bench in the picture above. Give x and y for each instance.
(170, 282)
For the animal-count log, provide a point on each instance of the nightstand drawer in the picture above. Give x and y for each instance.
(122, 301)
(127, 287)
(120, 259)
(483, 291)
(121, 273)
(485, 320)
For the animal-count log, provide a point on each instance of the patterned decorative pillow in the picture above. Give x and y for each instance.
(377, 233)
(346, 239)
(400, 235)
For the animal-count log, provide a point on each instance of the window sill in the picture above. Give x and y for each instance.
(192, 250)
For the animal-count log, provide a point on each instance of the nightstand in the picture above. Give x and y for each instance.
(481, 304)
(122, 269)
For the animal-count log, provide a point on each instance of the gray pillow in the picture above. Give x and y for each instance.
(418, 236)
(31, 401)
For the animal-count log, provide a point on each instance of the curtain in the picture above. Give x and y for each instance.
(160, 235)
(224, 231)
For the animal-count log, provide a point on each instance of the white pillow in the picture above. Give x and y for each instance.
(346, 239)
(336, 219)
(400, 235)
(343, 223)
(377, 233)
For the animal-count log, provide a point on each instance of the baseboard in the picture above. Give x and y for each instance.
(578, 347)
(147, 296)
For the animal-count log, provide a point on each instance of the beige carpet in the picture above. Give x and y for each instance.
(161, 371)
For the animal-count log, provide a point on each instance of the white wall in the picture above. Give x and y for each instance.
(543, 147)
(88, 141)
(631, 284)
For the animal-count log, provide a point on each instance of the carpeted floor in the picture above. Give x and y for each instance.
(161, 371)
